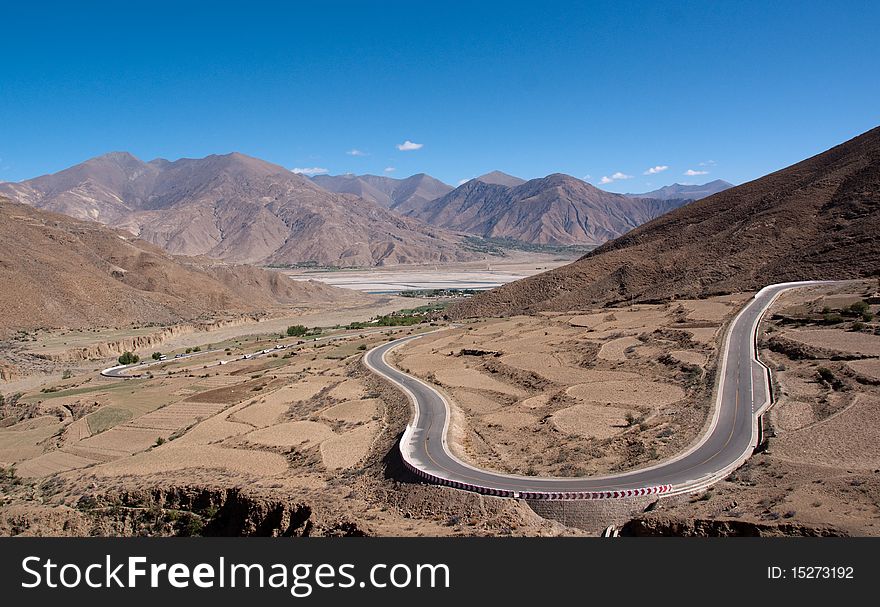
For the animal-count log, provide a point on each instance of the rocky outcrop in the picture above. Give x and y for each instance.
(112, 349)
(195, 510)
(660, 526)
(796, 350)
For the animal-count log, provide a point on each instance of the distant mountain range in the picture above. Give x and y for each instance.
(554, 210)
(687, 192)
(61, 272)
(817, 219)
(244, 210)
(237, 208)
(398, 194)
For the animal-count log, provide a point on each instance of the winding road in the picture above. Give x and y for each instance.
(742, 395)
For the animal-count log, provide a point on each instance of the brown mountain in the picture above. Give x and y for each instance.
(554, 210)
(818, 219)
(61, 272)
(236, 208)
(398, 194)
(685, 191)
(499, 178)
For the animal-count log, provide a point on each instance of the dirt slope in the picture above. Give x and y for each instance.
(61, 272)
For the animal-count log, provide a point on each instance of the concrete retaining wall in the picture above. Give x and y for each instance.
(589, 515)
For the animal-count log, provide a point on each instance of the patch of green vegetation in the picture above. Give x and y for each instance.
(128, 358)
(498, 246)
(107, 417)
(296, 330)
(438, 293)
(832, 318)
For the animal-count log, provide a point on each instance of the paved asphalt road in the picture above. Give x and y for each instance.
(743, 393)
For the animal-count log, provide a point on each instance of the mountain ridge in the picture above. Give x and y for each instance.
(557, 210)
(236, 208)
(740, 239)
(686, 191)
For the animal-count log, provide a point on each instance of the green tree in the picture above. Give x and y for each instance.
(297, 331)
(157, 355)
(128, 358)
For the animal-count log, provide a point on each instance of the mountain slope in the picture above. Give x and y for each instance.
(817, 219)
(237, 208)
(686, 192)
(57, 271)
(554, 210)
(499, 178)
(398, 194)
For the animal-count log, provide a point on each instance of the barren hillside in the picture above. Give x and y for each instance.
(816, 219)
(554, 210)
(238, 209)
(61, 272)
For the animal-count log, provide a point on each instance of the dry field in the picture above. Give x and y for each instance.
(581, 393)
(820, 472)
(306, 428)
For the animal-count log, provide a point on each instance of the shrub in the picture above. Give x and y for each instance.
(831, 318)
(160, 441)
(67, 374)
(128, 358)
(297, 331)
(825, 374)
(858, 326)
(197, 349)
(362, 347)
(157, 355)
(189, 351)
(860, 307)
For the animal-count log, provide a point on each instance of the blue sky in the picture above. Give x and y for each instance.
(729, 89)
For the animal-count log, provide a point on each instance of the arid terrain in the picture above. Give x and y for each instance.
(292, 443)
(303, 440)
(819, 471)
(581, 393)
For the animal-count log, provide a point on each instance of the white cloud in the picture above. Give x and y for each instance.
(657, 169)
(615, 177)
(586, 177)
(390, 169)
(408, 146)
(310, 171)
(692, 173)
(356, 152)
(708, 163)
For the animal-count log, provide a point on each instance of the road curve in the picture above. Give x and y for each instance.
(742, 394)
